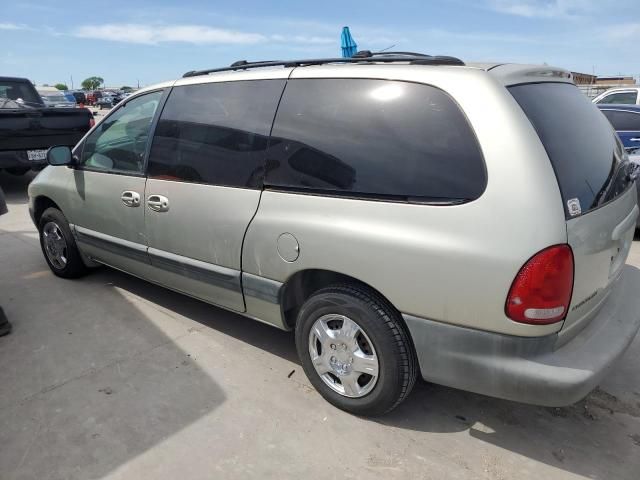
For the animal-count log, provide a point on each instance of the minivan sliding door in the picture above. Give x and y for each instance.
(204, 183)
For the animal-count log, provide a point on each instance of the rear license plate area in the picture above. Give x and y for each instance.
(36, 155)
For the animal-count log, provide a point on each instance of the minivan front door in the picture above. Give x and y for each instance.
(204, 184)
(108, 195)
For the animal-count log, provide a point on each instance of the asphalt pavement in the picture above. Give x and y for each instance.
(110, 377)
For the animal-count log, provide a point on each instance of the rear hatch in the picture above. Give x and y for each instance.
(598, 194)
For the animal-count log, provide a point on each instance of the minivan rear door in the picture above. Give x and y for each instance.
(596, 187)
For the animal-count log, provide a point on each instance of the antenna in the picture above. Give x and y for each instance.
(384, 49)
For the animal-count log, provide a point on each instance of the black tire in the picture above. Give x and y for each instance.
(382, 324)
(74, 266)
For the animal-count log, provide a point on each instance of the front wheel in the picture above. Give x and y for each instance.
(355, 350)
(58, 245)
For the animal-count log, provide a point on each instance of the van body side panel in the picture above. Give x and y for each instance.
(450, 264)
(204, 224)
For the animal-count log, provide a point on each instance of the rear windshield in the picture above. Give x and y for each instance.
(14, 94)
(582, 146)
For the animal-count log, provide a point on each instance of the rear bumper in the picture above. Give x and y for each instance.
(19, 159)
(531, 370)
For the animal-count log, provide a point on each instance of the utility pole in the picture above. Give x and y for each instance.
(71, 82)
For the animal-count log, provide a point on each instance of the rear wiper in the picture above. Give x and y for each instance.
(624, 172)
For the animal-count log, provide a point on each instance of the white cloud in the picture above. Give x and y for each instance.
(12, 26)
(196, 34)
(542, 8)
(150, 34)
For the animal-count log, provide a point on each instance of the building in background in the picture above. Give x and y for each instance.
(583, 78)
(616, 81)
(593, 85)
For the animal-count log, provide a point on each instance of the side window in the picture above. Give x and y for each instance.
(119, 142)
(215, 133)
(374, 138)
(627, 98)
(622, 121)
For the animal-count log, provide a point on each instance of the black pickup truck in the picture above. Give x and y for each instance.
(28, 128)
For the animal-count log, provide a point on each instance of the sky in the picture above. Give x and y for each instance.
(147, 41)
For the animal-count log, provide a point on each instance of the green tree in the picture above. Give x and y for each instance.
(92, 83)
(61, 86)
(126, 89)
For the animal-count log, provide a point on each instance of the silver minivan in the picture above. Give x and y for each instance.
(405, 214)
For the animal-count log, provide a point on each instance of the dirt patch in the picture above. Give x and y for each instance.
(604, 400)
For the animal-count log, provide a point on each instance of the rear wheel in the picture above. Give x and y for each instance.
(355, 350)
(58, 245)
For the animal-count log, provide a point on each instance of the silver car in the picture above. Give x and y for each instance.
(406, 215)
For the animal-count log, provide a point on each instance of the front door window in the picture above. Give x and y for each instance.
(119, 142)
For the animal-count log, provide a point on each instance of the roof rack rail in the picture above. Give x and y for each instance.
(364, 56)
(369, 53)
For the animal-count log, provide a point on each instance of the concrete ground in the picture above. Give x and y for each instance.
(110, 377)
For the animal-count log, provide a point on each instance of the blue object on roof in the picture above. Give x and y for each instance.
(347, 43)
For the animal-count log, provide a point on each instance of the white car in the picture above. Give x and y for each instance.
(625, 96)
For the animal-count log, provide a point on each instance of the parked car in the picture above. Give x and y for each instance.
(53, 97)
(70, 97)
(371, 207)
(626, 122)
(80, 97)
(625, 96)
(634, 158)
(106, 101)
(28, 127)
(93, 97)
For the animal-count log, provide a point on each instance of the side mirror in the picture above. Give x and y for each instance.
(60, 155)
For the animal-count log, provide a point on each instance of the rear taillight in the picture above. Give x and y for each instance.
(541, 292)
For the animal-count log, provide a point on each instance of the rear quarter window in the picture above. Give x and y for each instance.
(374, 138)
(579, 141)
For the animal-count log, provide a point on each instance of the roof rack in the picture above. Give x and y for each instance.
(364, 56)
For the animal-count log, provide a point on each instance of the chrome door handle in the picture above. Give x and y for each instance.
(130, 198)
(158, 203)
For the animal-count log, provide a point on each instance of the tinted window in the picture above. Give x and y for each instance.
(579, 140)
(14, 94)
(215, 133)
(628, 98)
(119, 141)
(623, 120)
(374, 138)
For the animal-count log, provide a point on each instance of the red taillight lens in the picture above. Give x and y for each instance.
(541, 292)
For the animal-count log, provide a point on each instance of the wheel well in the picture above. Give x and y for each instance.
(40, 205)
(305, 283)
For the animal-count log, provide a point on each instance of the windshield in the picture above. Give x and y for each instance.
(14, 94)
(585, 152)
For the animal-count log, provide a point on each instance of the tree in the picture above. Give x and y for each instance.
(61, 86)
(126, 89)
(92, 83)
